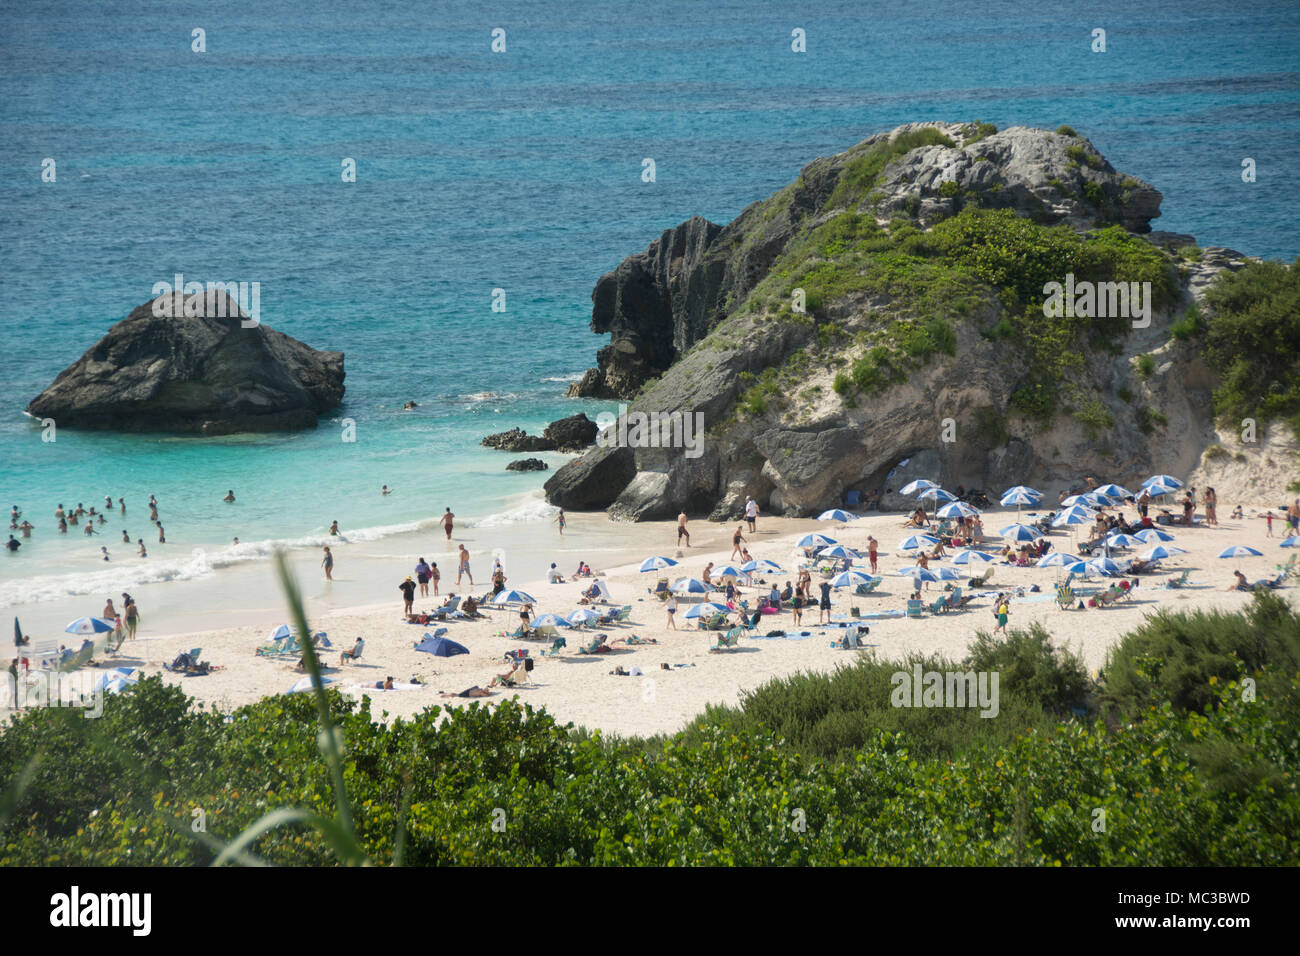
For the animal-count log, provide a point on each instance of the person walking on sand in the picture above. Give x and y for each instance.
(132, 619)
(447, 520)
(796, 605)
(1002, 611)
(671, 608)
(1211, 503)
(463, 570)
(560, 521)
(327, 563)
(736, 540)
(681, 530)
(407, 588)
(825, 610)
(1268, 522)
(751, 513)
(422, 575)
(873, 549)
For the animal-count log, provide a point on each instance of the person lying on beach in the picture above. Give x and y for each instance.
(632, 639)
(385, 684)
(474, 691)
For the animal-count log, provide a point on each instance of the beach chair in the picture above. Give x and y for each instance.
(983, 579)
(609, 617)
(321, 639)
(867, 587)
(715, 623)
(661, 590)
(518, 634)
(955, 601)
(355, 654)
(730, 639)
(940, 604)
(1065, 596)
(281, 648)
(80, 658)
(852, 499)
(623, 614)
(1179, 581)
(557, 645)
(597, 645)
(442, 613)
(914, 606)
(1107, 598)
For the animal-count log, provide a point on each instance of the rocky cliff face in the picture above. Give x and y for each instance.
(201, 373)
(918, 341)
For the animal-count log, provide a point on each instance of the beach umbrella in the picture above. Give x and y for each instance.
(1075, 515)
(440, 646)
(969, 555)
(1021, 491)
(1114, 491)
(850, 579)
(957, 509)
(18, 631)
(946, 573)
(583, 615)
(91, 625)
(707, 609)
(1291, 542)
(1124, 541)
(914, 542)
(1020, 532)
(839, 551)
(937, 493)
(912, 487)
(764, 565)
(917, 573)
(691, 586)
(125, 676)
(305, 684)
(1058, 559)
(279, 634)
(1154, 534)
(551, 620)
(1104, 566)
(1169, 481)
(727, 571)
(835, 514)
(1239, 551)
(657, 563)
(814, 541)
(514, 597)
(1158, 488)
(1159, 552)
(1095, 499)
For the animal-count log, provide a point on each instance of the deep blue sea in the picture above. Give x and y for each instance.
(518, 170)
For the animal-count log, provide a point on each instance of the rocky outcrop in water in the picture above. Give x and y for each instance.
(528, 464)
(202, 372)
(565, 434)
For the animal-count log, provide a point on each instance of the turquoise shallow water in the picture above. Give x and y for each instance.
(519, 171)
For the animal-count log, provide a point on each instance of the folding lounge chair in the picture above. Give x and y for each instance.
(1065, 597)
(556, 646)
(852, 499)
(1178, 581)
(355, 656)
(983, 579)
(940, 604)
(914, 607)
(730, 639)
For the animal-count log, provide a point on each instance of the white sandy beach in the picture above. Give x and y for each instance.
(581, 689)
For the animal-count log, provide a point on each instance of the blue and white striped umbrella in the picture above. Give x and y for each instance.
(91, 625)
(1169, 481)
(814, 540)
(1020, 532)
(937, 493)
(1058, 559)
(1239, 551)
(707, 609)
(551, 620)
(1075, 515)
(1021, 491)
(1104, 566)
(657, 563)
(850, 579)
(917, 574)
(946, 574)
(957, 509)
(729, 571)
(764, 565)
(1153, 534)
(914, 542)
(1124, 541)
(835, 514)
(968, 556)
(1019, 499)
(691, 586)
(1159, 552)
(1114, 491)
(514, 597)
(583, 615)
(912, 487)
(839, 551)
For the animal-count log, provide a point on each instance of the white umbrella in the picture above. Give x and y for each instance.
(839, 551)
(835, 514)
(957, 509)
(709, 608)
(815, 541)
(305, 684)
(1104, 566)
(1291, 542)
(657, 563)
(1239, 551)
(514, 597)
(913, 487)
(1167, 480)
(691, 586)
(1058, 559)
(917, 574)
(849, 579)
(1160, 551)
(1020, 532)
(551, 620)
(969, 555)
(1124, 541)
(583, 615)
(1153, 534)
(1114, 491)
(914, 542)
(764, 565)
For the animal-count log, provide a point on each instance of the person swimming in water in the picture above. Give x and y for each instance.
(230, 497)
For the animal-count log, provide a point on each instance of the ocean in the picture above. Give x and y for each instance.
(476, 171)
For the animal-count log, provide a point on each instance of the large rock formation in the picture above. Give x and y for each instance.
(800, 407)
(201, 372)
(564, 434)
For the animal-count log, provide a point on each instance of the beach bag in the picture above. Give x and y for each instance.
(528, 664)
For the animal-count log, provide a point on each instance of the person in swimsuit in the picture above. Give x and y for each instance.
(407, 588)
(825, 611)
(671, 608)
(435, 576)
(162, 538)
(334, 528)
(422, 575)
(143, 552)
(447, 520)
(681, 530)
(327, 563)
(560, 521)
(463, 570)
(229, 499)
(737, 539)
